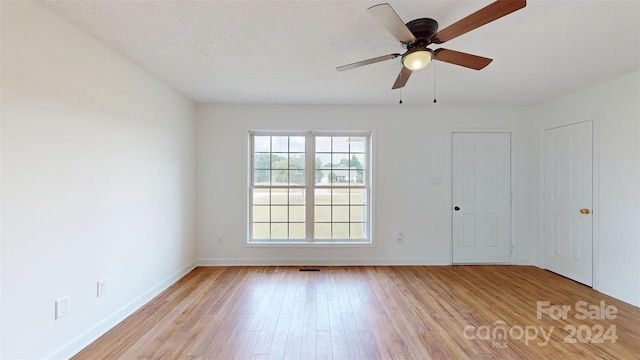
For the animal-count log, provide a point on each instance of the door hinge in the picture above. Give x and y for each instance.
(511, 248)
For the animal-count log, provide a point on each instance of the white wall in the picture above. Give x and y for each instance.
(411, 145)
(617, 107)
(98, 181)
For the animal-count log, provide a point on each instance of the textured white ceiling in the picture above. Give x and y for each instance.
(285, 52)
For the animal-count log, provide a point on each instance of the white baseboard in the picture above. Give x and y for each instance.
(318, 262)
(525, 261)
(628, 297)
(91, 335)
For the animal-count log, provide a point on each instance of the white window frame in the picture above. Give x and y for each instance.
(310, 186)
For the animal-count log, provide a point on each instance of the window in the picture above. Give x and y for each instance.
(310, 188)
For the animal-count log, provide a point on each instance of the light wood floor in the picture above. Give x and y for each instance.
(450, 312)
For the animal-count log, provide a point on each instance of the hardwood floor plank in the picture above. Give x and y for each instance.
(322, 313)
(279, 341)
(356, 349)
(344, 280)
(309, 341)
(217, 337)
(389, 342)
(323, 349)
(356, 302)
(209, 327)
(413, 312)
(245, 347)
(368, 341)
(271, 318)
(235, 337)
(338, 342)
(294, 337)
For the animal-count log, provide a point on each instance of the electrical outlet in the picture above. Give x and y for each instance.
(62, 307)
(400, 237)
(102, 287)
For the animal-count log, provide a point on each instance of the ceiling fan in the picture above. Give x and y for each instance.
(418, 34)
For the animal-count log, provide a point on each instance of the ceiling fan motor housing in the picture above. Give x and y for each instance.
(423, 29)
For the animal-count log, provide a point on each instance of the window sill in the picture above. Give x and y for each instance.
(323, 244)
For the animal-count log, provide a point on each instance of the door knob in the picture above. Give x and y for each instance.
(457, 208)
(585, 211)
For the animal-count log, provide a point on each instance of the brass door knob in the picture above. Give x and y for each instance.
(585, 211)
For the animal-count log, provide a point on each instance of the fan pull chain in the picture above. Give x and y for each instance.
(400, 102)
(434, 82)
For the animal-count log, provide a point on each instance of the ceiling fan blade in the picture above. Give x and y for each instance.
(402, 79)
(367, 62)
(388, 18)
(481, 17)
(463, 59)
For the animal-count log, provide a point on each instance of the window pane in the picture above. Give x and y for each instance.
(279, 231)
(357, 169)
(323, 177)
(340, 176)
(279, 161)
(323, 214)
(261, 231)
(262, 143)
(323, 144)
(322, 231)
(296, 161)
(357, 196)
(262, 177)
(261, 213)
(356, 213)
(340, 160)
(340, 196)
(323, 196)
(356, 177)
(297, 231)
(340, 144)
(323, 161)
(280, 196)
(262, 161)
(357, 230)
(357, 143)
(296, 196)
(358, 161)
(280, 144)
(280, 213)
(340, 213)
(296, 177)
(279, 177)
(340, 231)
(261, 196)
(297, 144)
(297, 214)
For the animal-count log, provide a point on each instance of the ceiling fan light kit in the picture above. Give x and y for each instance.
(418, 34)
(417, 58)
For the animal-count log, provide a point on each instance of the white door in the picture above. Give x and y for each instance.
(567, 201)
(481, 197)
